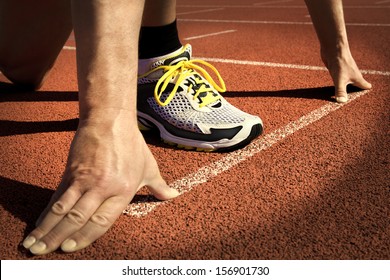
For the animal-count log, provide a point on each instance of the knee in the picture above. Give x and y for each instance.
(23, 76)
(22, 73)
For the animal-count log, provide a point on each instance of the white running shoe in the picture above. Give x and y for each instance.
(177, 96)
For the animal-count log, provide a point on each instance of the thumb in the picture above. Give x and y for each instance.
(154, 181)
(341, 95)
(361, 83)
(161, 190)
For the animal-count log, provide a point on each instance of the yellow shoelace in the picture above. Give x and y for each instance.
(183, 70)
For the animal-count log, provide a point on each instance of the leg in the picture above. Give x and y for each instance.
(178, 96)
(159, 12)
(159, 25)
(32, 33)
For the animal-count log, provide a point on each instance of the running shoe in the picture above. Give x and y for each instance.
(178, 96)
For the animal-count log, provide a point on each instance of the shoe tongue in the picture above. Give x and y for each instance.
(184, 56)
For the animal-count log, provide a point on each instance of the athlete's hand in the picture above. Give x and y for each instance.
(107, 165)
(344, 71)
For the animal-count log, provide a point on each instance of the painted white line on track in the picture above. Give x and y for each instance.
(245, 21)
(210, 34)
(271, 64)
(284, 65)
(275, 7)
(272, 2)
(200, 11)
(212, 170)
(277, 22)
(382, 2)
(69, 48)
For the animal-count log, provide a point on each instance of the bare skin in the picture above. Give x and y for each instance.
(31, 38)
(108, 160)
(159, 12)
(328, 20)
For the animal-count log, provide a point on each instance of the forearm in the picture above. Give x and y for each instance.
(328, 20)
(107, 57)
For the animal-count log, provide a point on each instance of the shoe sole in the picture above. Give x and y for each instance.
(147, 123)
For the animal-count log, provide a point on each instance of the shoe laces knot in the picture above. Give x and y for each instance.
(183, 70)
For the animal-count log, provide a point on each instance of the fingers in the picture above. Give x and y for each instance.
(344, 72)
(97, 225)
(341, 95)
(72, 194)
(82, 211)
(76, 220)
(55, 211)
(65, 217)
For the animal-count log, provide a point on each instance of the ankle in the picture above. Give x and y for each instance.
(158, 40)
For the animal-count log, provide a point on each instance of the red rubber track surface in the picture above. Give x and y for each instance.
(318, 192)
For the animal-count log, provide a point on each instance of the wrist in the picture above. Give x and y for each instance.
(336, 52)
(340, 47)
(108, 117)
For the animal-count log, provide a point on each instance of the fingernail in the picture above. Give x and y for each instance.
(29, 241)
(68, 245)
(175, 193)
(341, 99)
(38, 247)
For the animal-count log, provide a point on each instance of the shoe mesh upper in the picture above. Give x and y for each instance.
(184, 110)
(181, 114)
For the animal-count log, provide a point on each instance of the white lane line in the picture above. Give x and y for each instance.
(272, 2)
(245, 21)
(69, 48)
(277, 22)
(212, 170)
(275, 7)
(284, 65)
(368, 24)
(209, 34)
(382, 2)
(271, 64)
(241, 6)
(200, 11)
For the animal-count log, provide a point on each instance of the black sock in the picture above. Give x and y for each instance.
(158, 40)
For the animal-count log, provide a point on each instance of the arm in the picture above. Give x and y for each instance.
(328, 20)
(108, 160)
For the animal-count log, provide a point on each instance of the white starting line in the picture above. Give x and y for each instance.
(277, 22)
(212, 170)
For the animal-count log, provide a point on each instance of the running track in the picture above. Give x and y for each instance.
(315, 185)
